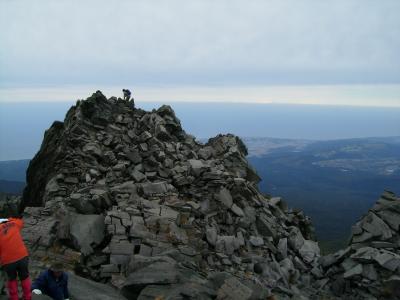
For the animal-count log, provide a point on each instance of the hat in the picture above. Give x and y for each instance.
(57, 267)
(3, 220)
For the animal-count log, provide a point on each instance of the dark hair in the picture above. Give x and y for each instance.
(57, 267)
(258, 268)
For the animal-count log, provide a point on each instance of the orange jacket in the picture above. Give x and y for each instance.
(12, 247)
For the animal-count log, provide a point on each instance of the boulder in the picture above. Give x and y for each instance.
(87, 231)
(233, 289)
(309, 251)
(225, 197)
(83, 289)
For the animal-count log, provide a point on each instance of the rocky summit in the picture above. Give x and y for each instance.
(126, 198)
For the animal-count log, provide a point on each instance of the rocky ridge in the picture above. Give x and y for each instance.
(139, 203)
(125, 197)
(369, 268)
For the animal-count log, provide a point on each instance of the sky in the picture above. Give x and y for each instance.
(341, 52)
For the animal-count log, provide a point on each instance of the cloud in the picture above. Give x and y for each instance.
(199, 42)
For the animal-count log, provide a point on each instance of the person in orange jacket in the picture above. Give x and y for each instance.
(14, 257)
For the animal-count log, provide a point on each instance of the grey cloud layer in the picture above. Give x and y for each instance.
(199, 41)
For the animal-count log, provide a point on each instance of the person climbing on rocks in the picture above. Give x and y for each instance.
(127, 97)
(52, 282)
(127, 94)
(14, 258)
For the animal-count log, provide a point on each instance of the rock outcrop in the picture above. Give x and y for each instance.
(126, 197)
(369, 268)
(135, 201)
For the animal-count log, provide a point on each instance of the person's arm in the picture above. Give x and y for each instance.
(40, 282)
(66, 292)
(18, 222)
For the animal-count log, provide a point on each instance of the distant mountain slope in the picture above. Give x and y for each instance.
(334, 182)
(11, 187)
(14, 170)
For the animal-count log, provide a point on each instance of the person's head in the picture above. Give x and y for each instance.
(57, 269)
(258, 268)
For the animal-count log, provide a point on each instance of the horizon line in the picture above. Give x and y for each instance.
(375, 95)
(72, 102)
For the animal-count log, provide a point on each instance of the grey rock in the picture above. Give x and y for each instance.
(295, 239)
(138, 230)
(211, 235)
(92, 148)
(197, 166)
(357, 270)
(233, 289)
(364, 237)
(84, 289)
(374, 225)
(158, 273)
(369, 272)
(348, 264)
(365, 254)
(150, 188)
(282, 247)
(121, 248)
(87, 231)
(256, 241)
(134, 156)
(138, 176)
(265, 226)
(356, 230)
(309, 251)
(388, 260)
(226, 244)
(225, 197)
(391, 218)
(237, 210)
(327, 260)
(162, 133)
(206, 152)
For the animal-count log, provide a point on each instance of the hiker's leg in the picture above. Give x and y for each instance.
(12, 284)
(23, 273)
(26, 288)
(12, 287)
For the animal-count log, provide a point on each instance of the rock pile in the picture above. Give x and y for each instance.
(369, 268)
(127, 198)
(135, 201)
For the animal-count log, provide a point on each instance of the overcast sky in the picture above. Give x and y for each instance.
(200, 44)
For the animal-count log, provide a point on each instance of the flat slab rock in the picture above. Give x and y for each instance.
(84, 289)
(233, 289)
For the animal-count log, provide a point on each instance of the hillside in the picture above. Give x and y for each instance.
(14, 170)
(11, 187)
(334, 182)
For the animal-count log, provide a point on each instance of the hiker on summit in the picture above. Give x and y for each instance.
(127, 94)
(52, 282)
(14, 258)
(127, 97)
